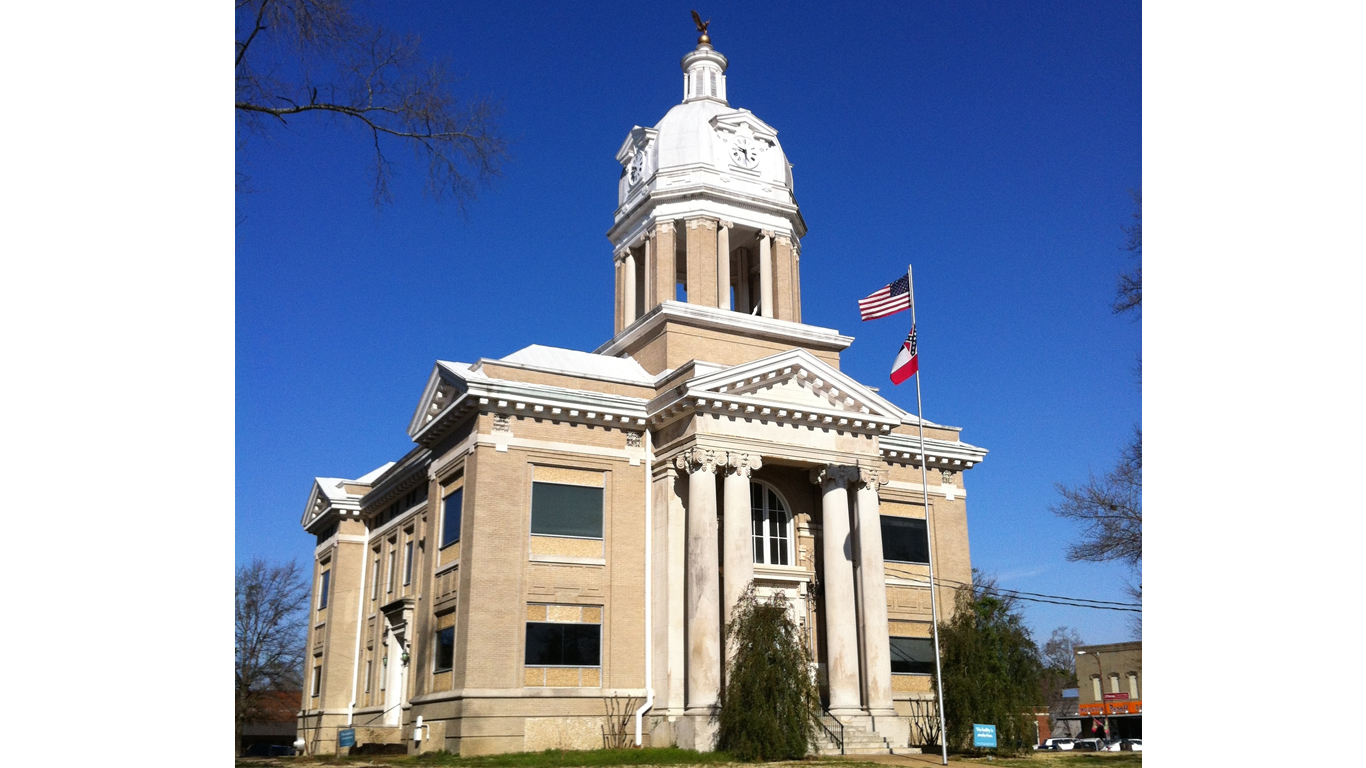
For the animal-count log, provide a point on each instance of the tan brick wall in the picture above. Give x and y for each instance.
(782, 279)
(701, 261)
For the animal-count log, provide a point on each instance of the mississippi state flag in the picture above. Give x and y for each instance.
(907, 361)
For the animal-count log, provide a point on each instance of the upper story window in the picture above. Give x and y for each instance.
(573, 511)
(1133, 685)
(324, 583)
(1095, 688)
(389, 579)
(374, 577)
(408, 563)
(445, 650)
(771, 526)
(905, 540)
(450, 517)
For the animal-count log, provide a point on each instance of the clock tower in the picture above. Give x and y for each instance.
(707, 235)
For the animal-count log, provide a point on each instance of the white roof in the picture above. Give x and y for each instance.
(572, 361)
(332, 488)
(369, 477)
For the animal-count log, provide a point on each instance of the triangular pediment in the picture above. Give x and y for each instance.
(444, 387)
(796, 379)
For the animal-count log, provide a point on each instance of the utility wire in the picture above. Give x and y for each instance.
(1036, 597)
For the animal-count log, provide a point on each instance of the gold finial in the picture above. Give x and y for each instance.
(702, 27)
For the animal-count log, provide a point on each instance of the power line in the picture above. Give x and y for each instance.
(1037, 597)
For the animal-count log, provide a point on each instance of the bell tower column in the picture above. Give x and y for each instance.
(702, 261)
(723, 263)
(765, 273)
(782, 277)
(628, 277)
(665, 273)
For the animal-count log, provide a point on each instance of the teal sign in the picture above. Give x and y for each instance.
(983, 735)
(346, 737)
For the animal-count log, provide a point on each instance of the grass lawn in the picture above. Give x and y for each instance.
(677, 757)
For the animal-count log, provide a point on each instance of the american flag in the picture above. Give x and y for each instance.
(891, 299)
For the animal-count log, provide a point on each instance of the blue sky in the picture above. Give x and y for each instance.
(991, 145)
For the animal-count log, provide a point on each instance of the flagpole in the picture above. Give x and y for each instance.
(929, 533)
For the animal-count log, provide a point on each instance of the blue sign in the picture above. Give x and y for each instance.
(346, 737)
(983, 735)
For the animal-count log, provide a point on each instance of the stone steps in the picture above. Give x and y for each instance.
(857, 741)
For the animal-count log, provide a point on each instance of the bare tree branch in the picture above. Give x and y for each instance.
(271, 625)
(1110, 509)
(370, 77)
(1129, 291)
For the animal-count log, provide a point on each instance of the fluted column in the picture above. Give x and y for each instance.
(703, 580)
(618, 315)
(665, 270)
(738, 539)
(876, 656)
(629, 277)
(723, 263)
(766, 273)
(837, 578)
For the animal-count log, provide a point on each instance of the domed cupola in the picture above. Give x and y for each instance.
(710, 188)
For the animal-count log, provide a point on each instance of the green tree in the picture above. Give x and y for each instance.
(769, 706)
(991, 666)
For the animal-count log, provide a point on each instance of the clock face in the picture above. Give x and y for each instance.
(637, 167)
(744, 152)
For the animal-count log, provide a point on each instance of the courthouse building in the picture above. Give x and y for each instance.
(571, 529)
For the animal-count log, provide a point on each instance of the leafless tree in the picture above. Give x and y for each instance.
(1129, 291)
(318, 58)
(1111, 510)
(271, 619)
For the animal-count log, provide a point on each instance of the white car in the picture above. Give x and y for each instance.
(1110, 746)
(1131, 745)
(1057, 745)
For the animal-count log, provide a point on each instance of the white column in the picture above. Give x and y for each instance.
(723, 263)
(837, 578)
(877, 657)
(766, 273)
(629, 310)
(742, 299)
(703, 582)
(738, 539)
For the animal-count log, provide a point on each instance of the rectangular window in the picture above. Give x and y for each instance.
(1095, 688)
(450, 521)
(369, 668)
(322, 589)
(407, 564)
(912, 655)
(1133, 686)
(563, 645)
(445, 650)
(389, 581)
(374, 578)
(566, 510)
(905, 540)
(317, 680)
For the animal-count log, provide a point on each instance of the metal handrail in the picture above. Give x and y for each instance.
(839, 740)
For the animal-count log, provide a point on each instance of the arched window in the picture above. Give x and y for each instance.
(772, 526)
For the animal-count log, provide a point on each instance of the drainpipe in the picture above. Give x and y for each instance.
(649, 598)
(360, 623)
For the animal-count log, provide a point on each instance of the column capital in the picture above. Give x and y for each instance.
(702, 222)
(700, 460)
(665, 225)
(834, 474)
(768, 233)
(743, 464)
(781, 239)
(872, 478)
(725, 224)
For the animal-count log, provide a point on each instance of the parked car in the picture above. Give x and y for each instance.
(1132, 745)
(1110, 745)
(1087, 745)
(1056, 745)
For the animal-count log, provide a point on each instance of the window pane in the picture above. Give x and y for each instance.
(543, 644)
(757, 526)
(445, 649)
(913, 655)
(581, 643)
(904, 540)
(450, 524)
(408, 563)
(322, 590)
(566, 510)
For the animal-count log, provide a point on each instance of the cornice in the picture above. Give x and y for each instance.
(944, 454)
(797, 334)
